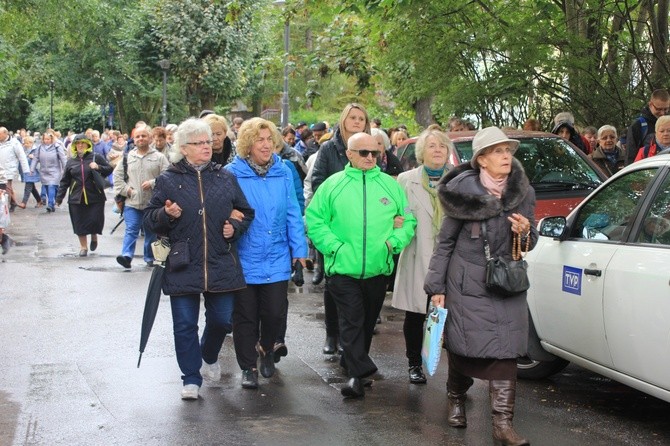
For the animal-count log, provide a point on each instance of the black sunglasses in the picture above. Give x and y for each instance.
(366, 153)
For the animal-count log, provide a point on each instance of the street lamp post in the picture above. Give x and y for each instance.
(51, 113)
(165, 66)
(285, 97)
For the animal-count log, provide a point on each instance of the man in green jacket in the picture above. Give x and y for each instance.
(351, 221)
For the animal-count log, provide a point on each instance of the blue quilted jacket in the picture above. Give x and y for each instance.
(277, 233)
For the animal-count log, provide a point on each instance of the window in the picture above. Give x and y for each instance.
(608, 213)
(656, 223)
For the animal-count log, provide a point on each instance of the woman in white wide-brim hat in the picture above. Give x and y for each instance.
(485, 331)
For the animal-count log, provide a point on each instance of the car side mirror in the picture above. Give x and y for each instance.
(552, 226)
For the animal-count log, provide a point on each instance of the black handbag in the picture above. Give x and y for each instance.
(179, 257)
(507, 277)
(99, 181)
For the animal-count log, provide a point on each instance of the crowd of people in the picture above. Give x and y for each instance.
(244, 205)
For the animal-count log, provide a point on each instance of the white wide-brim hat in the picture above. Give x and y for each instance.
(490, 136)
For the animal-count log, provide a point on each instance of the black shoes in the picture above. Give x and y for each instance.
(6, 243)
(267, 363)
(250, 379)
(309, 264)
(94, 245)
(318, 275)
(416, 375)
(353, 389)
(280, 350)
(124, 261)
(330, 346)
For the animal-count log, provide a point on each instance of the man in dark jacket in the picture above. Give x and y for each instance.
(643, 126)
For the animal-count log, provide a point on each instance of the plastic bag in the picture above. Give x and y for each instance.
(432, 339)
(4, 211)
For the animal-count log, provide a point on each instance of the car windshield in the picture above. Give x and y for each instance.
(550, 164)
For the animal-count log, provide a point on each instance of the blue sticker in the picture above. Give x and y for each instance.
(572, 280)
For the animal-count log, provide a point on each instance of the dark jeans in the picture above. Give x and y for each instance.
(412, 328)
(358, 304)
(258, 317)
(190, 352)
(29, 189)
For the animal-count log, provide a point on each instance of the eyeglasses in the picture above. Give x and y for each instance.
(366, 153)
(200, 143)
(660, 109)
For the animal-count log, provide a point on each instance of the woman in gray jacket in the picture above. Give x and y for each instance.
(51, 158)
(485, 332)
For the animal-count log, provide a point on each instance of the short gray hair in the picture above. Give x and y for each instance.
(423, 137)
(186, 130)
(607, 128)
(387, 142)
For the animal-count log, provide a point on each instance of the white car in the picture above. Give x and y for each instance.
(600, 283)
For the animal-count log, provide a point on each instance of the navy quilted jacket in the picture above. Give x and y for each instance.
(206, 198)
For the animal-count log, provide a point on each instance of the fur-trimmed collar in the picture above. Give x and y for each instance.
(463, 197)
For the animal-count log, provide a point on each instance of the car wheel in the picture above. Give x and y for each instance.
(527, 368)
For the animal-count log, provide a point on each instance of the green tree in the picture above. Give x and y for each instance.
(211, 46)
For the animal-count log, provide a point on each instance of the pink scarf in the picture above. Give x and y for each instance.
(493, 186)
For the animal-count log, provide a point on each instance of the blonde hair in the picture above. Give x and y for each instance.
(212, 119)
(423, 138)
(343, 117)
(249, 132)
(660, 122)
(396, 135)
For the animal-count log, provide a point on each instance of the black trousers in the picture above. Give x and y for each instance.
(412, 328)
(358, 304)
(330, 310)
(257, 318)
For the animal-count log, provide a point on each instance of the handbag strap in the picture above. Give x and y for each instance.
(487, 248)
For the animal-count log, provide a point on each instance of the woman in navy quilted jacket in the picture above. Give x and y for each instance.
(203, 211)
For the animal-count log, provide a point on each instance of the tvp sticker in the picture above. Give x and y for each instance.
(572, 280)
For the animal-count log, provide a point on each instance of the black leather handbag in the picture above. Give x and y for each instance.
(98, 179)
(507, 277)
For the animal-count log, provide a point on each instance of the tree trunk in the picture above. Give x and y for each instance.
(121, 111)
(659, 44)
(422, 108)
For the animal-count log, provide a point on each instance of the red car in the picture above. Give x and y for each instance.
(560, 173)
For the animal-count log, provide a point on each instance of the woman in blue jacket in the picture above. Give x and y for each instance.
(268, 250)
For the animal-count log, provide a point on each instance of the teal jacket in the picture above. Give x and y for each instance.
(350, 220)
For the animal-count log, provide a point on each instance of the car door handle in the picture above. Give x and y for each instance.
(593, 272)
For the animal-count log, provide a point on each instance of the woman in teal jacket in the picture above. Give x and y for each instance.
(268, 250)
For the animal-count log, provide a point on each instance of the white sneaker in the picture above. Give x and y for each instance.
(190, 392)
(211, 372)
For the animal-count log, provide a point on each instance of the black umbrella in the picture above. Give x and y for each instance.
(160, 248)
(120, 203)
(121, 219)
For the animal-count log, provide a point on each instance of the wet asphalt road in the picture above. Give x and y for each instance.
(70, 333)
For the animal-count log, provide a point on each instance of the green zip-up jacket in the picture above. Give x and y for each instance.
(350, 220)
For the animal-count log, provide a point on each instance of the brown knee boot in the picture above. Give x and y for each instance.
(502, 395)
(457, 386)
